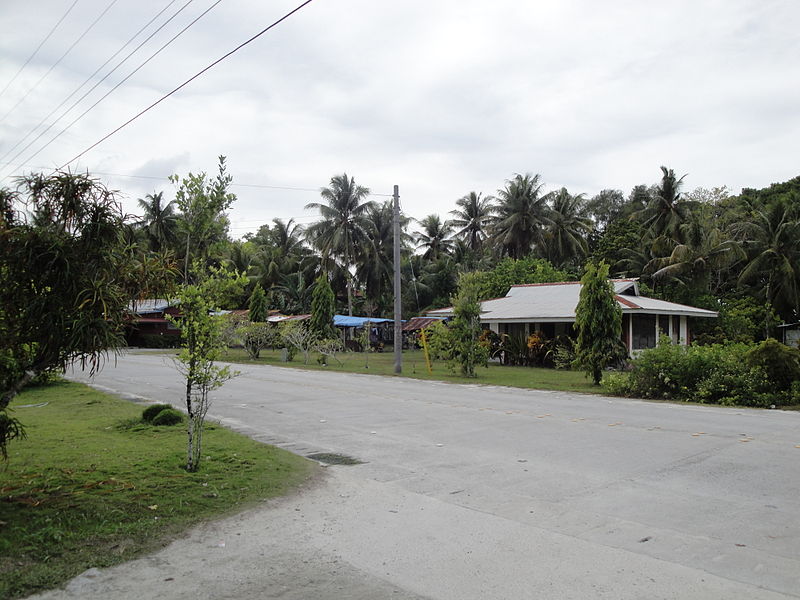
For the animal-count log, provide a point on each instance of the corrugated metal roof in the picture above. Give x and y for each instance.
(150, 305)
(416, 323)
(557, 302)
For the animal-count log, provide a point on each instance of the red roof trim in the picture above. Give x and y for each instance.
(625, 302)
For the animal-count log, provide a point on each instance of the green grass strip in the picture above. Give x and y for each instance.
(92, 488)
(382, 363)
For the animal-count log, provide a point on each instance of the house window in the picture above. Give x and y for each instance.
(644, 331)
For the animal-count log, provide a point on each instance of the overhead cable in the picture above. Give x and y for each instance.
(88, 79)
(107, 94)
(58, 62)
(39, 47)
(187, 82)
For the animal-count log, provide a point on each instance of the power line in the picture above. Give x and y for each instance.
(58, 62)
(187, 82)
(88, 79)
(165, 178)
(39, 47)
(107, 94)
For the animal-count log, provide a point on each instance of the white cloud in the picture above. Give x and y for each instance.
(440, 98)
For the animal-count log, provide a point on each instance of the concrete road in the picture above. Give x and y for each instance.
(471, 491)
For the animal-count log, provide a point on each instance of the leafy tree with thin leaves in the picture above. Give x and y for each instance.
(203, 203)
(598, 319)
(258, 305)
(323, 307)
(203, 344)
(459, 342)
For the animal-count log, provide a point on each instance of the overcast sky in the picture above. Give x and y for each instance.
(438, 96)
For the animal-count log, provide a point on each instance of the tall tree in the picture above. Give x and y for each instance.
(771, 238)
(341, 232)
(434, 237)
(598, 319)
(203, 203)
(520, 216)
(471, 219)
(67, 277)
(667, 210)
(159, 221)
(259, 310)
(374, 262)
(564, 240)
(323, 307)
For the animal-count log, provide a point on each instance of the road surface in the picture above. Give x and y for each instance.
(471, 491)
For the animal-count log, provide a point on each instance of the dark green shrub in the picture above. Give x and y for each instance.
(716, 374)
(780, 363)
(168, 416)
(151, 340)
(151, 412)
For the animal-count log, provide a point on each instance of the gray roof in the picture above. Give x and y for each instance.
(150, 305)
(556, 302)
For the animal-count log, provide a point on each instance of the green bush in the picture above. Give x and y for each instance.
(728, 374)
(151, 412)
(168, 416)
(617, 384)
(780, 363)
(151, 340)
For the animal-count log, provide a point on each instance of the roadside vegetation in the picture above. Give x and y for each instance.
(94, 484)
(760, 375)
(382, 363)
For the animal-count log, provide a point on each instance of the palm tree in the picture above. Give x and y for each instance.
(374, 262)
(667, 210)
(434, 237)
(691, 265)
(771, 239)
(295, 292)
(239, 255)
(287, 237)
(520, 215)
(565, 234)
(159, 221)
(341, 232)
(472, 218)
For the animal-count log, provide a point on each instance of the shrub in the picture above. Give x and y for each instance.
(152, 340)
(617, 384)
(152, 411)
(167, 417)
(717, 374)
(780, 363)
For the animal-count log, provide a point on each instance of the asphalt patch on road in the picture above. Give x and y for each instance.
(330, 458)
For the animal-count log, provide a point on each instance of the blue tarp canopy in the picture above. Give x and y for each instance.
(345, 321)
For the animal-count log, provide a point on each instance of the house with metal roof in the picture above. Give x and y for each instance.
(550, 308)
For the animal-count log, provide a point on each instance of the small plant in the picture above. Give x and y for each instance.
(167, 417)
(152, 411)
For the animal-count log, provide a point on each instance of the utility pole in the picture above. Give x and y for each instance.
(398, 324)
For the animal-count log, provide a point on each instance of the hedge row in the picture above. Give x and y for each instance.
(760, 375)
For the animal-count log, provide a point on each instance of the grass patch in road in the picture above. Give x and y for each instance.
(88, 488)
(382, 363)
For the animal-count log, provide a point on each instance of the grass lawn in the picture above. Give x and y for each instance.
(90, 488)
(382, 363)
